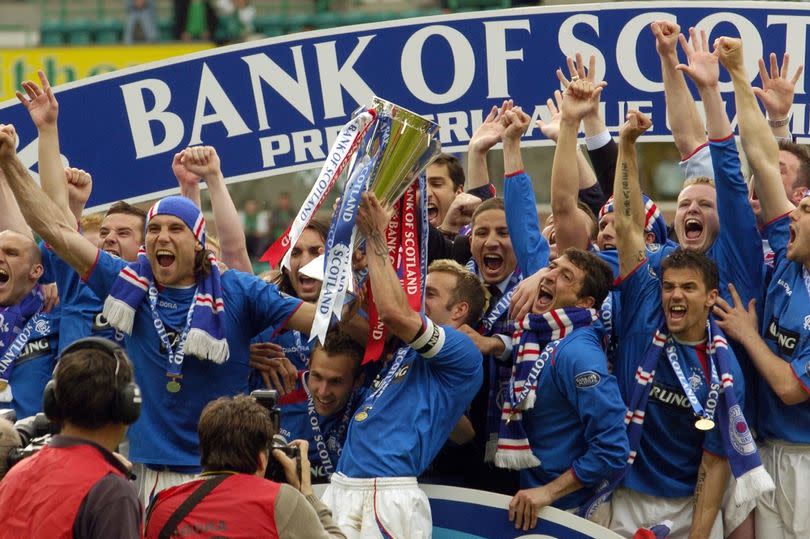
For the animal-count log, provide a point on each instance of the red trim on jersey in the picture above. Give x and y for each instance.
(696, 150)
(622, 278)
(87, 275)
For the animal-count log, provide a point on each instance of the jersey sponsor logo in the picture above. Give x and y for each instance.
(785, 339)
(34, 349)
(786, 286)
(738, 433)
(669, 396)
(587, 379)
(167, 304)
(399, 377)
(319, 471)
(653, 247)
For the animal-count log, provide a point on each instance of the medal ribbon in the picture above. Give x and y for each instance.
(396, 363)
(410, 264)
(335, 434)
(175, 366)
(340, 153)
(714, 388)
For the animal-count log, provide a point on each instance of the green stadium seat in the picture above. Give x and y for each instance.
(166, 29)
(79, 32)
(108, 31)
(269, 25)
(51, 33)
(469, 5)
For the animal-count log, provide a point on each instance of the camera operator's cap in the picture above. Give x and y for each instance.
(185, 210)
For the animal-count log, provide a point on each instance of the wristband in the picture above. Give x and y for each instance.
(780, 123)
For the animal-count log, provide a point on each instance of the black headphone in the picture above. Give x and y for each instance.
(126, 405)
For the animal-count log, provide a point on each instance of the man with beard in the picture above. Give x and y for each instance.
(174, 285)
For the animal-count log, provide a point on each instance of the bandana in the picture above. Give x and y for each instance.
(653, 220)
(205, 337)
(743, 457)
(534, 332)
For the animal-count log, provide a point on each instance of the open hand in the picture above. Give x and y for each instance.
(40, 102)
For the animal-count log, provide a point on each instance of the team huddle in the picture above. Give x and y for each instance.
(604, 362)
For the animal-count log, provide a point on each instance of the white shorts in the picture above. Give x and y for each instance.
(733, 514)
(149, 482)
(785, 512)
(385, 507)
(633, 510)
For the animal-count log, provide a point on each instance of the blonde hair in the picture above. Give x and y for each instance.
(469, 288)
(699, 180)
(91, 222)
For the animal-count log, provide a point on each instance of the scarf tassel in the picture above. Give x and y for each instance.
(752, 484)
(519, 459)
(119, 314)
(202, 345)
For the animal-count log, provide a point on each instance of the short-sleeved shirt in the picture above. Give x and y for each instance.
(414, 416)
(166, 432)
(671, 447)
(79, 306)
(34, 366)
(786, 330)
(578, 419)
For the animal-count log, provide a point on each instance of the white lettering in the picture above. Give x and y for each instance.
(570, 45)
(225, 113)
(273, 146)
(752, 51)
(463, 64)
(140, 119)
(335, 78)
(294, 90)
(311, 142)
(626, 44)
(498, 55)
(455, 123)
(795, 42)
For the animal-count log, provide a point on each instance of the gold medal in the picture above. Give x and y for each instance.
(361, 415)
(3, 384)
(173, 386)
(704, 423)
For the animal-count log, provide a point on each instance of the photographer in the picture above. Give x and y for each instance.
(75, 486)
(233, 498)
(9, 441)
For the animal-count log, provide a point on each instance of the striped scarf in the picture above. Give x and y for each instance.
(206, 335)
(741, 450)
(533, 333)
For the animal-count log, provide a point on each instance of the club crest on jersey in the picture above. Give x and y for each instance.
(43, 326)
(807, 322)
(738, 432)
(786, 340)
(587, 379)
(653, 247)
(3, 324)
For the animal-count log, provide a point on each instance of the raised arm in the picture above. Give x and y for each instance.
(682, 113)
(43, 108)
(40, 212)
(203, 161)
(703, 68)
(758, 143)
(580, 97)
(627, 202)
(485, 137)
(79, 186)
(10, 216)
(188, 181)
(392, 304)
(776, 93)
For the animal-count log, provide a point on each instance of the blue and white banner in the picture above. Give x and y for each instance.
(275, 105)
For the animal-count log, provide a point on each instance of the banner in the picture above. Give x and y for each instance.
(67, 64)
(275, 105)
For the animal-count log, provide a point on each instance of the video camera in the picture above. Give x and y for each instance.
(35, 432)
(268, 398)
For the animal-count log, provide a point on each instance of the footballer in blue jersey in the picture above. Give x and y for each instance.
(408, 412)
(166, 432)
(34, 365)
(321, 408)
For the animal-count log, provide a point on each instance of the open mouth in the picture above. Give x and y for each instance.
(307, 283)
(432, 212)
(164, 258)
(677, 312)
(544, 298)
(693, 229)
(608, 246)
(493, 263)
(792, 236)
(4, 276)
(112, 251)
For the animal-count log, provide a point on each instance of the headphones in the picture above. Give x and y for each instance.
(126, 405)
